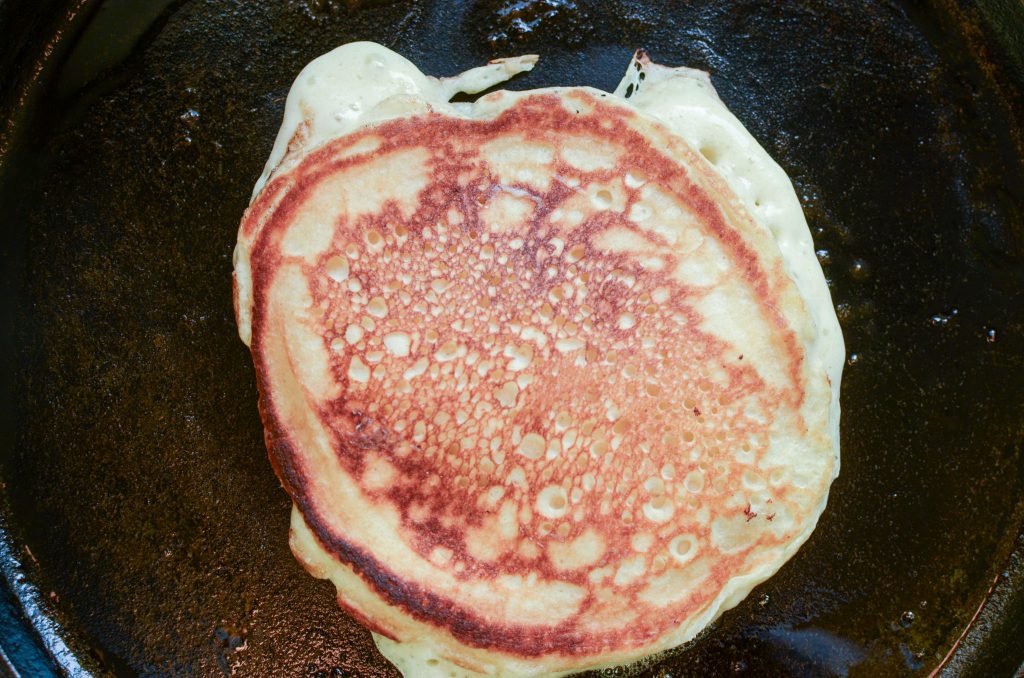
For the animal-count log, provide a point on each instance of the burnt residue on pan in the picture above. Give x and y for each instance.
(136, 481)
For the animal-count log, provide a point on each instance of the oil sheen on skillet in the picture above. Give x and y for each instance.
(142, 491)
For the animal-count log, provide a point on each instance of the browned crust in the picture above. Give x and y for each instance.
(538, 113)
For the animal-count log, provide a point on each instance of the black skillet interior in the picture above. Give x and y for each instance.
(143, 527)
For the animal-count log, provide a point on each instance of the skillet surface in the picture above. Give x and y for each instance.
(143, 527)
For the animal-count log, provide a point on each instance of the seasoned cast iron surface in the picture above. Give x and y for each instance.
(133, 457)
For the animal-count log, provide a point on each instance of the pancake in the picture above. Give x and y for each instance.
(551, 378)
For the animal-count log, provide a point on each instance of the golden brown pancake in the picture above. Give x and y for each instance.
(535, 380)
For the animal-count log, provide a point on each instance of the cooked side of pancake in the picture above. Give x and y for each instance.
(549, 389)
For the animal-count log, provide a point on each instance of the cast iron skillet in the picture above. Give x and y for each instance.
(143, 531)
